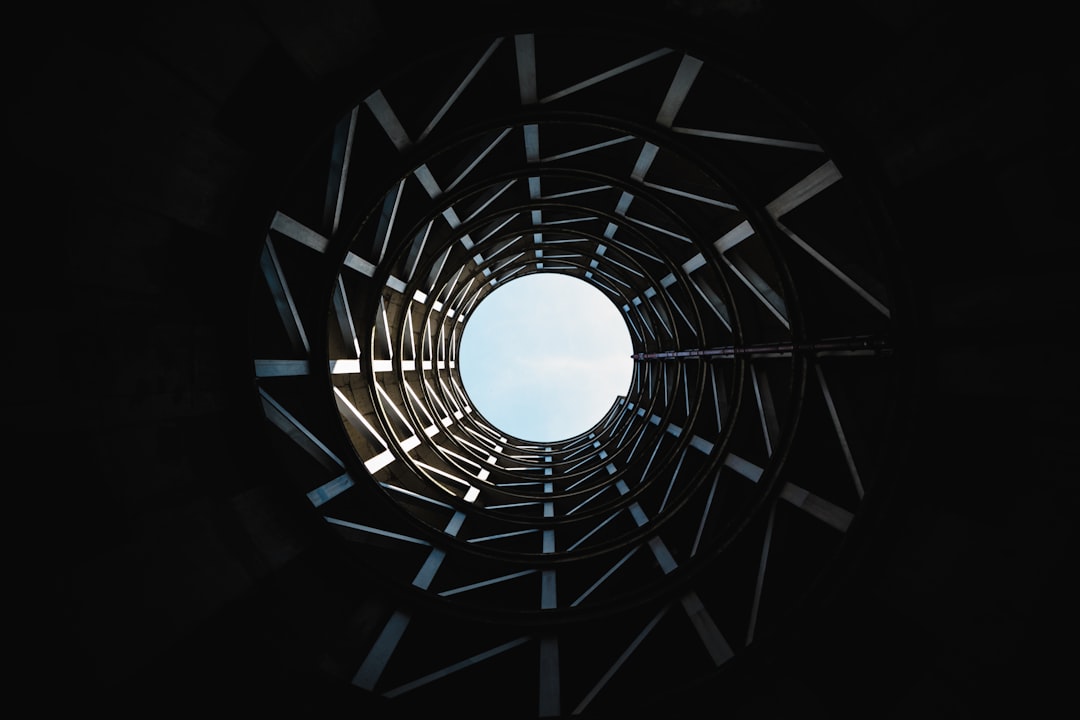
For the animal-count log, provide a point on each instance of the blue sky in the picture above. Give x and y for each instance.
(543, 357)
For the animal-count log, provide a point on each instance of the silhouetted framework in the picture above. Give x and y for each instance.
(709, 498)
(243, 240)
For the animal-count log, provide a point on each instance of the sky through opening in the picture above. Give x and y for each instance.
(543, 357)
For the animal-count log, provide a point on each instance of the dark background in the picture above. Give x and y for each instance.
(158, 566)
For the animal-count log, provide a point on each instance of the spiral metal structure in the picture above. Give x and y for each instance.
(759, 288)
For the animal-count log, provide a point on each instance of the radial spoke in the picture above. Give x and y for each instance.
(281, 368)
(378, 657)
(804, 190)
(770, 425)
(820, 508)
(525, 48)
(299, 434)
(704, 515)
(328, 491)
(607, 574)
(606, 75)
(690, 195)
(283, 298)
(386, 117)
(340, 155)
(680, 88)
(760, 288)
(460, 89)
(357, 421)
(840, 274)
(839, 430)
(460, 197)
(759, 583)
(379, 532)
(588, 148)
(711, 637)
(744, 467)
(299, 232)
(345, 320)
(734, 236)
(449, 670)
(620, 661)
(487, 583)
(753, 139)
(550, 690)
(386, 221)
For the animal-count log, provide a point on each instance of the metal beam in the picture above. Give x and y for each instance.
(415, 495)
(386, 221)
(532, 143)
(714, 302)
(281, 368)
(525, 50)
(680, 86)
(619, 662)
(340, 154)
(715, 643)
(476, 161)
(644, 161)
(382, 346)
(770, 425)
(589, 534)
(460, 89)
(487, 583)
(299, 232)
(500, 536)
(359, 264)
(548, 594)
(343, 311)
(839, 430)
(416, 250)
(760, 581)
(670, 233)
(329, 490)
(734, 236)
(344, 366)
(704, 515)
(854, 343)
(357, 421)
(744, 467)
(426, 573)
(836, 271)
(820, 508)
(299, 434)
(283, 299)
(428, 181)
(674, 477)
(550, 701)
(378, 531)
(759, 288)
(369, 672)
(754, 139)
(690, 196)
(468, 662)
(820, 179)
(588, 148)
(385, 116)
(607, 74)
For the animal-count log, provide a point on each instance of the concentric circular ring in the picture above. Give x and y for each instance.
(758, 299)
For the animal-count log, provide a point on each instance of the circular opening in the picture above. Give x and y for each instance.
(545, 356)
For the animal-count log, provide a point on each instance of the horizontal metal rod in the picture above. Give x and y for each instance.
(859, 344)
